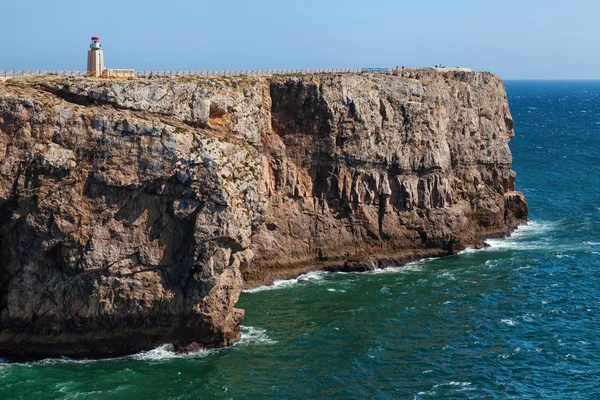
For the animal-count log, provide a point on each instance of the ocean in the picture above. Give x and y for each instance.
(519, 319)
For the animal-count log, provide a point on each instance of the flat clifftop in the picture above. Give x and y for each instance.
(133, 212)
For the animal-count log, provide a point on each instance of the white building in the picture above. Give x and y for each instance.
(95, 64)
(452, 69)
(95, 61)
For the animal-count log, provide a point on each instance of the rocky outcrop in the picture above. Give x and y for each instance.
(367, 172)
(132, 213)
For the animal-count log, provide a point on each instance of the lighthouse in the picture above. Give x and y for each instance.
(95, 62)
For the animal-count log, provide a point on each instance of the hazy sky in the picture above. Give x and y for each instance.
(528, 39)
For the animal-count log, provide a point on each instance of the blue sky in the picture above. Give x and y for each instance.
(524, 39)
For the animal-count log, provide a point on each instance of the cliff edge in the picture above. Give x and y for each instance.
(132, 213)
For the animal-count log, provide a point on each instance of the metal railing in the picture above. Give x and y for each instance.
(246, 72)
(197, 73)
(13, 73)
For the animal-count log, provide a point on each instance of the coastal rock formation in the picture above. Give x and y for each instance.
(364, 173)
(132, 213)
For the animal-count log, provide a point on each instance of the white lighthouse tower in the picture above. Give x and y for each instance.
(95, 64)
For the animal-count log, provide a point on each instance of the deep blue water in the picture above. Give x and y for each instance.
(520, 319)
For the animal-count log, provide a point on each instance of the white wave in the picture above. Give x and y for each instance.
(457, 386)
(59, 360)
(508, 321)
(249, 335)
(533, 227)
(468, 250)
(336, 290)
(561, 255)
(522, 267)
(253, 335)
(447, 275)
(592, 243)
(525, 237)
(459, 383)
(523, 232)
(286, 283)
(413, 266)
(316, 276)
(167, 352)
(500, 243)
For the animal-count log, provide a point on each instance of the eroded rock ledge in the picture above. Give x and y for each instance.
(132, 213)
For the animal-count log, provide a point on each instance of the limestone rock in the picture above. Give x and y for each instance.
(132, 213)
(362, 169)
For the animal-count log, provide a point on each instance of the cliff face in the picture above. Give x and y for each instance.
(132, 213)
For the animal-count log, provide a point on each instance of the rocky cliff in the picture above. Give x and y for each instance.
(132, 213)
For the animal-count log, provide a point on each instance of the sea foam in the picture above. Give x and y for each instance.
(252, 335)
(166, 352)
(526, 237)
(286, 283)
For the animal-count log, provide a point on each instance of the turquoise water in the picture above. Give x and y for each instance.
(520, 319)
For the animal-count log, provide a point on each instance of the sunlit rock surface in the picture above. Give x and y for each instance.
(132, 213)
